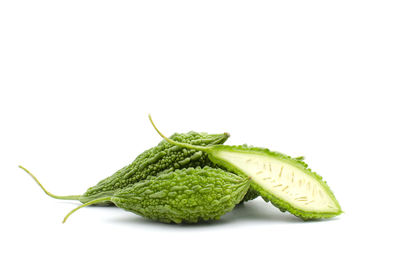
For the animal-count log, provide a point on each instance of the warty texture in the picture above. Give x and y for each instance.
(164, 156)
(187, 195)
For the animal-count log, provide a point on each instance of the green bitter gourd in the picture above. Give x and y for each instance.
(188, 195)
(287, 182)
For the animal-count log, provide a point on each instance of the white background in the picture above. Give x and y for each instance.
(313, 78)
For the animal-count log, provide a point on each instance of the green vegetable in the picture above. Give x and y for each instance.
(287, 182)
(187, 195)
(164, 156)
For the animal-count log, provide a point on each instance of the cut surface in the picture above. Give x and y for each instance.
(284, 180)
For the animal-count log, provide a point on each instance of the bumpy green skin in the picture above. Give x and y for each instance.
(281, 204)
(188, 195)
(155, 160)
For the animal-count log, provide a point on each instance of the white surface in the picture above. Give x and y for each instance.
(313, 78)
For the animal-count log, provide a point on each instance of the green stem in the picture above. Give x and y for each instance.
(66, 197)
(180, 144)
(86, 204)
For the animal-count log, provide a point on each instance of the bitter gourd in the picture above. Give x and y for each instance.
(164, 156)
(187, 195)
(287, 182)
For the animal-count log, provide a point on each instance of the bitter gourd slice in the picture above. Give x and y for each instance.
(187, 195)
(287, 182)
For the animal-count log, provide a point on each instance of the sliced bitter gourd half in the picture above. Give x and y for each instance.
(288, 183)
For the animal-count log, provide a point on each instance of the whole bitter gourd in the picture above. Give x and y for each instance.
(187, 195)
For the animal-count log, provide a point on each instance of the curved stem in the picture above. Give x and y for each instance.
(65, 197)
(180, 144)
(86, 204)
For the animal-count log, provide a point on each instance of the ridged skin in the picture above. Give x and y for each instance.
(188, 195)
(281, 204)
(155, 160)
